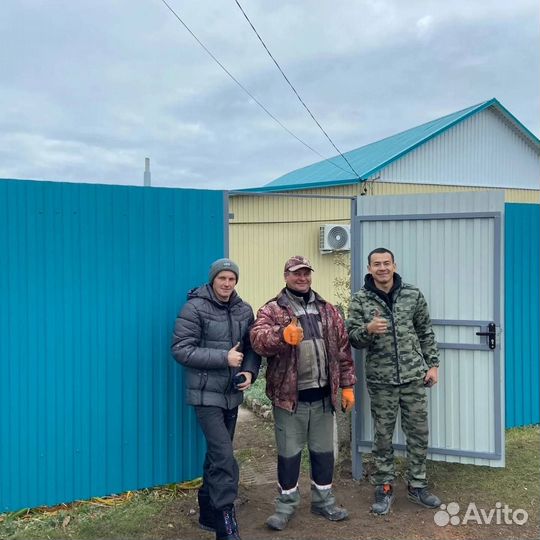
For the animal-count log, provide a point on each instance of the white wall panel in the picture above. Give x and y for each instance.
(426, 203)
(480, 151)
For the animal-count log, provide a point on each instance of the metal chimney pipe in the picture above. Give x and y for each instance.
(147, 175)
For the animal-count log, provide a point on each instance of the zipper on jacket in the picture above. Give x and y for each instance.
(231, 337)
(327, 349)
(316, 347)
(204, 377)
(395, 346)
(295, 354)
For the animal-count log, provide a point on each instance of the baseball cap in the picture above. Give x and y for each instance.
(297, 262)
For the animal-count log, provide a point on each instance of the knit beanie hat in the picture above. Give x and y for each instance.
(222, 264)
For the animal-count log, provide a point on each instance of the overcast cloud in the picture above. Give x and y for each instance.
(91, 88)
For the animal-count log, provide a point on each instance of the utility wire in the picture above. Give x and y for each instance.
(249, 93)
(294, 89)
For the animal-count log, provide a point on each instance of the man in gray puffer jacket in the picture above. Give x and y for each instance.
(211, 340)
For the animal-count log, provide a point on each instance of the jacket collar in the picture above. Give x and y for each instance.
(206, 292)
(283, 300)
(388, 298)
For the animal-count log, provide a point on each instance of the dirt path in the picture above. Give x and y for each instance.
(255, 450)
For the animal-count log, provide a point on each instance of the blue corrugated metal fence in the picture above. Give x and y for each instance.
(91, 278)
(522, 313)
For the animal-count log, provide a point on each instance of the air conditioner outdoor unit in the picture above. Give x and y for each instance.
(335, 237)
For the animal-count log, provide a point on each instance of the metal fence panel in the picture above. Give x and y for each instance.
(522, 314)
(92, 276)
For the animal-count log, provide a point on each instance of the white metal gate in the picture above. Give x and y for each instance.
(451, 246)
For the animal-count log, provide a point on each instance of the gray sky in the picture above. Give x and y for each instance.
(90, 88)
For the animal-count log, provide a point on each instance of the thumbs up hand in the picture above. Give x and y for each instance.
(235, 357)
(293, 334)
(378, 325)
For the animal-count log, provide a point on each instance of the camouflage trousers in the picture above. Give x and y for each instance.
(386, 400)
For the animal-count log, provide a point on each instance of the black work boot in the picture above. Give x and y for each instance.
(384, 497)
(207, 514)
(423, 497)
(226, 524)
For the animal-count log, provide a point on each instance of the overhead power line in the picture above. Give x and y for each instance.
(293, 88)
(248, 92)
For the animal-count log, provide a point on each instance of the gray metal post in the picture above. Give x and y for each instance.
(226, 218)
(356, 272)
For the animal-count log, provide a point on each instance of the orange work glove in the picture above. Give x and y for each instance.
(347, 399)
(293, 334)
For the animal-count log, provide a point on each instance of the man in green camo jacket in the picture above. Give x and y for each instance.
(390, 319)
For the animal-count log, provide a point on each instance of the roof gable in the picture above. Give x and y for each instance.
(371, 158)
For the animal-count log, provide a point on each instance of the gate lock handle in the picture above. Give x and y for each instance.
(491, 335)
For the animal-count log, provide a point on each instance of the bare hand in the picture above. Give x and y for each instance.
(378, 325)
(235, 357)
(247, 383)
(431, 377)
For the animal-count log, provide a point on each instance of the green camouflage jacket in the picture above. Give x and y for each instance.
(402, 354)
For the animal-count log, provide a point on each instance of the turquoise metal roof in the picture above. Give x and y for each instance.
(368, 160)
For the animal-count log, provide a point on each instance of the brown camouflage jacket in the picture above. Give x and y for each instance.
(402, 354)
(282, 375)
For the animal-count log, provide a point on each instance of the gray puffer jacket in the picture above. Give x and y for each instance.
(204, 332)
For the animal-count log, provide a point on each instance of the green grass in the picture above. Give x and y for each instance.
(132, 516)
(129, 521)
(516, 484)
(257, 392)
(244, 455)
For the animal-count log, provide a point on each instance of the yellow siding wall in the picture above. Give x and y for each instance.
(267, 230)
(522, 196)
(388, 188)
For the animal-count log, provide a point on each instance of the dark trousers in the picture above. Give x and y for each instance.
(220, 471)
